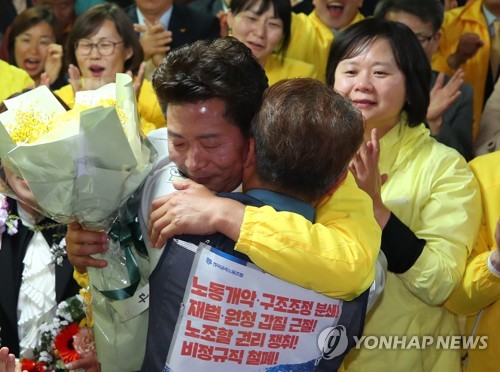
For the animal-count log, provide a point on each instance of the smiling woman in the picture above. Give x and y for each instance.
(101, 44)
(264, 27)
(428, 208)
(31, 45)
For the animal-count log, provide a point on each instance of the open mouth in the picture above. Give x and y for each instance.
(335, 9)
(96, 71)
(31, 64)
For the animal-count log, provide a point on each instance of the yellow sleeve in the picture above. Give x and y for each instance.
(479, 287)
(449, 221)
(335, 256)
(151, 114)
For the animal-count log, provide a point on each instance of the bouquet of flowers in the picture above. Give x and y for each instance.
(64, 340)
(86, 165)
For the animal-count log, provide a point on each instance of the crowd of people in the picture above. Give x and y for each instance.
(350, 154)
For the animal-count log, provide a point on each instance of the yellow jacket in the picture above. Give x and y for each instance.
(480, 288)
(468, 18)
(340, 249)
(431, 190)
(14, 80)
(148, 106)
(311, 39)
(277, 70)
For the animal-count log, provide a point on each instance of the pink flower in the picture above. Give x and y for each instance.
(83, 342)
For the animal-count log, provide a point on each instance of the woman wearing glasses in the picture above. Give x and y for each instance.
(101, 44)
(31, 46)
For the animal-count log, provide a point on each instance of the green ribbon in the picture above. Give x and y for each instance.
(128, 233)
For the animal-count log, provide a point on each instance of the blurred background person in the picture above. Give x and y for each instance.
(488, 137)
(165, 25)
(470, 39)
(264, 27)
(30, 45)
(101, 44)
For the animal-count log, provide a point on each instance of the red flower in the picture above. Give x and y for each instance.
(63, 344)
(32, 366)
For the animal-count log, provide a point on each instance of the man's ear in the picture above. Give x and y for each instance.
(250, 158)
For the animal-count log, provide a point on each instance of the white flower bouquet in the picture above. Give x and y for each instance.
(86, 165)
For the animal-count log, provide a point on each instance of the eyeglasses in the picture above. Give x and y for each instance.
(424, 39)
(104, 47)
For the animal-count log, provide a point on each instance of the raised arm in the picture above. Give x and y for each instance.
(335, 256)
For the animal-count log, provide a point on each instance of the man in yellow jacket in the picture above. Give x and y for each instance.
(313, 34)
(478, 295)
(466, 42)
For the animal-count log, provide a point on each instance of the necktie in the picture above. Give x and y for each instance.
(495, 50)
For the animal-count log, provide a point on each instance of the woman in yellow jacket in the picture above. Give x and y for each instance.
(103, 43)
(264, 27)
(429, 207)
(478, 295)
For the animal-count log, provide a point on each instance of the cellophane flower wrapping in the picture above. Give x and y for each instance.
(87, 165)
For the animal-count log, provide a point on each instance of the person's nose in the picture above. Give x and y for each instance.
(363, 82)
(195, 159)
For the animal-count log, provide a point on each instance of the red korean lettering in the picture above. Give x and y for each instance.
(256, 357)
(282, 341)
(248, 338)
(273, 322)
(216, 291)
(302, 325)
(198, 289)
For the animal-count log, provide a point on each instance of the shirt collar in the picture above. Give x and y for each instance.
(282, 202)
(490, 19)
(164, 19)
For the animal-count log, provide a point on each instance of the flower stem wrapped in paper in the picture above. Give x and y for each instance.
(87, 165)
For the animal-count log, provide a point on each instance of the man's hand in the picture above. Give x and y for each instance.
(155, 41)
(442, 97)
(80, 244)
(364, 167)
(467, 47)
(53, 63)
(193, 210)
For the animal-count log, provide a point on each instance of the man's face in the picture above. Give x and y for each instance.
(337, 14)
(153, 8)
(422, 30)
(64, 11)
(205, 145)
